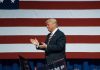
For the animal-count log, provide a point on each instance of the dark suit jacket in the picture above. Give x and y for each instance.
(56, 47)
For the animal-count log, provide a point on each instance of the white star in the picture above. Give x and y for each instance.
(12, 1)
(1, 1)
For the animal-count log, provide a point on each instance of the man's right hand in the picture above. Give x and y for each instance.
(34, 41)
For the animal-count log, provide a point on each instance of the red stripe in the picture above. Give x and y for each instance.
(82, 55)
(39, 55)
(69, 38)
(41, 22)
(59, 5)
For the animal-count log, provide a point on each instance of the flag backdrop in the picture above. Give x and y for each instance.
(24, 19)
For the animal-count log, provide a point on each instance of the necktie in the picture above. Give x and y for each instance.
(49, 37)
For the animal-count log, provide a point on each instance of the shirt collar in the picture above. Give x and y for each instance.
(54, 31)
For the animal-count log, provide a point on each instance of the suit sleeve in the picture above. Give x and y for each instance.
(45, 42)
(37, 47)
(59, 46)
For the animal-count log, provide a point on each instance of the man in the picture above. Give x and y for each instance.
(54, 46)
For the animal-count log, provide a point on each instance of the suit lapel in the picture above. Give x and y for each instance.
(53, 36)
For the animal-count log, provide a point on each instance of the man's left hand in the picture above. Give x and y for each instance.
(43, 45)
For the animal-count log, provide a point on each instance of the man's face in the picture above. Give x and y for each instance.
(50, 26)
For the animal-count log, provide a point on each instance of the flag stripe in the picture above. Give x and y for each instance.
(8, 22)
(59, 4)
(39, 55)
(25, 47)
(43, 30)
(69, 39)
(94, 13)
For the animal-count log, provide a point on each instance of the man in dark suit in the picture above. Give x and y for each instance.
(54, 46)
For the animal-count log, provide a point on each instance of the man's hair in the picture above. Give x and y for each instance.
(52, 20)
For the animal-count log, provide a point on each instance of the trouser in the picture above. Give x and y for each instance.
(57, 65)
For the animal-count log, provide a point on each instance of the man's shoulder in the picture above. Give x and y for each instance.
(60, 32)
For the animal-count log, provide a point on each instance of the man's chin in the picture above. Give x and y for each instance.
(49, 30)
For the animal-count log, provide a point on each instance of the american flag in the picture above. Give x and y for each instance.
(21, 20)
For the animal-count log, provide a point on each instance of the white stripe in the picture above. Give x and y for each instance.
(82, 47)
(59, 0)
(18, 48)
(44, 31)
(31, 48)
(50, 13)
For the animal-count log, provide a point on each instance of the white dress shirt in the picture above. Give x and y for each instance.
(52, 33)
